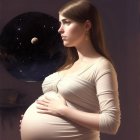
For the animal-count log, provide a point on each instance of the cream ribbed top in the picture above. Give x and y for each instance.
(94, 88)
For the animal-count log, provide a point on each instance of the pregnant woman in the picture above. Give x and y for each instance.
(80, 100)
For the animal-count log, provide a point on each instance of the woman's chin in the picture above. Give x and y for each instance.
(67, 44)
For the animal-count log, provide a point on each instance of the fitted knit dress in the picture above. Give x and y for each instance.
(93, 89)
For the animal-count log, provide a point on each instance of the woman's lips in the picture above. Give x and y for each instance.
(63, 37)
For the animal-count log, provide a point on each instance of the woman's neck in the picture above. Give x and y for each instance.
(86, 51)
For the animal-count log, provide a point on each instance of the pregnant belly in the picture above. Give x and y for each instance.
(36, 126)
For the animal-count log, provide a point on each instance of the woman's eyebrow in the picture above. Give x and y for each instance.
(62, 20)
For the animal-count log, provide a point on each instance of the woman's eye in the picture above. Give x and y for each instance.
(67, 22)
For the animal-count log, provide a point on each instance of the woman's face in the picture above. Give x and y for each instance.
(73, 33)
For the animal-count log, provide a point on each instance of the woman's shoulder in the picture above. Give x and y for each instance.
(104, 66)
(104, 63)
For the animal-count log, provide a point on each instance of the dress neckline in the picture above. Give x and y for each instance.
(81, 70)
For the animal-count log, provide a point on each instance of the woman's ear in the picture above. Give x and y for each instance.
(88, 25)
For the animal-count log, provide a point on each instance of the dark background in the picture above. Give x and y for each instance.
(121, 20)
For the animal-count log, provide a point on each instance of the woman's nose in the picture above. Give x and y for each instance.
(60, 30)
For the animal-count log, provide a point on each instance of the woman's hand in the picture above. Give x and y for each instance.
(50, 103)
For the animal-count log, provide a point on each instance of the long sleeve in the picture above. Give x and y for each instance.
(107, 93)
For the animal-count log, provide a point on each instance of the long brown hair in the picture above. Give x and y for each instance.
(80, 11)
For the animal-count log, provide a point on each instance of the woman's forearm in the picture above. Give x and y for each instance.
(88, 120)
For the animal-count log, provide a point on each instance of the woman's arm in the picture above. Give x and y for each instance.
(108, 119)
(56, 107)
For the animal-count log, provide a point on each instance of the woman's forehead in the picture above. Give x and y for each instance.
(63, 18)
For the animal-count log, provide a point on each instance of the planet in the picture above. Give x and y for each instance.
(34, 40)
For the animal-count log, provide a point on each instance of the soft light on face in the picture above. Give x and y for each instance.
(73, 33)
